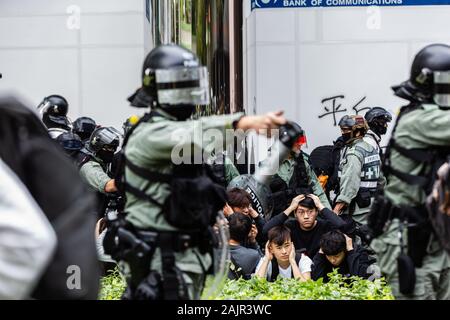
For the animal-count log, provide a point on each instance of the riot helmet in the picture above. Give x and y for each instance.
(70, 142)
(430, 77)
(300, 141)
(351, 126)
(54, 111)
(378, 118)
(84, 127)
(104, 143)
(174, 81)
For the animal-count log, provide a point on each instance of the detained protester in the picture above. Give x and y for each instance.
(245, 252)
(308, 227)
(337, 251)
(240, 201)
(281, 258)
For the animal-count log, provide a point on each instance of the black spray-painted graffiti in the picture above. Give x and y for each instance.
(333, 106)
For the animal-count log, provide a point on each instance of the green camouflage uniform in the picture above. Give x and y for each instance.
(428, 126)
(353, 176)
(231, 171)
(286, 170)
(151, 147)
(95, 176)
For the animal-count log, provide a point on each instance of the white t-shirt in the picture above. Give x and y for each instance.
(304, 265)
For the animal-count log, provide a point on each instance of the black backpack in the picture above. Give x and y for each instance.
(53, 181)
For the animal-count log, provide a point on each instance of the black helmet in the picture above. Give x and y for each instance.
(104, 143)
(293, 129)
(430, 77)
(378, 119)
(54, 111)
(84, 127)
(172, 78)
(70, 142)
(377, 113)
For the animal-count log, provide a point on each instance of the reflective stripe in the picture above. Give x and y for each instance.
(181, 74)
(368, 184)
(374, 158)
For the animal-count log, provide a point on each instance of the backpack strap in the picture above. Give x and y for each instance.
(275, 270)
(419, 155)
(148, 174)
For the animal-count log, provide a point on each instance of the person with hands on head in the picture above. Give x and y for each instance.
(281, 258)
(308, 227)
(239, 200)
(245, 252)
(338, 251)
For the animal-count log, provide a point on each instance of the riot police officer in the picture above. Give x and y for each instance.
(94, 166)
(84, 127)
(54, 111)
(420, 140)
(359, 170)
(378, 120)
(170, 205)
(71, 143)
(295, 177)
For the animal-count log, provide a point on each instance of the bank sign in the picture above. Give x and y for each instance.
(261, 4)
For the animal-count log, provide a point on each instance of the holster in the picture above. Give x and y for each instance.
(380, 214)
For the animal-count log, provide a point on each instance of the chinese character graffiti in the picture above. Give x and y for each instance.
(333, 107)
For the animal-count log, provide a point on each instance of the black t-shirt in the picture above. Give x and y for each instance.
(308, 240)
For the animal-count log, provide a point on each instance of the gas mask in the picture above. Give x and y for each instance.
(106, 154)
(379, 126)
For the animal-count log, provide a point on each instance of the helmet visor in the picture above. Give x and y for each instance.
(183, 86)
(61, 120)
(442, 88)
(72, 145)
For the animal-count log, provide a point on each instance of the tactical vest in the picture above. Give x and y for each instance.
(370, 171)
(195, 197)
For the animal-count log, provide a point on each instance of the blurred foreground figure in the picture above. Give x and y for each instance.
(27, 240)
(412, 240)
(54, 183)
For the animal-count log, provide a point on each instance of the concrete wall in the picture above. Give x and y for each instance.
(297, 57)
(89, 51)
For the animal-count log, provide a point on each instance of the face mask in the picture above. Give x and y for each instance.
(347, 137)
(106, 156)
(379, 128)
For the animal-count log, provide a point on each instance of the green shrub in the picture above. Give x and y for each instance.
(339, 288)
(112, 286)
